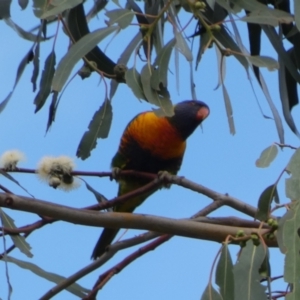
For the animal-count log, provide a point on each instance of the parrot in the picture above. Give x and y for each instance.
(151, 143)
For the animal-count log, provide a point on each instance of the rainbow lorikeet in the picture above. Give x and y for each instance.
(151, 144)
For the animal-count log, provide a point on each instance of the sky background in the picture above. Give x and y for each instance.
(214, 158)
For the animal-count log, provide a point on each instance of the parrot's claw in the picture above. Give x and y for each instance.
(115, 172)
(163, 177)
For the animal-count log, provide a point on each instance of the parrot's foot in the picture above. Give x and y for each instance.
(163, 176)
(115, 172)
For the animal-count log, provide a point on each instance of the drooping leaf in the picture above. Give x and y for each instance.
(5, 9)
(161, 64)
(36, 65)
(224, 274)
(27, 58)
(278, 46)
(23, 33)
(23, 3)
(205, 41)
(75, 288)
(17, 239)
(229, 111)
(99, 197)
(247, 284)
(78, 27)
(97, 7)
(291, 240)
(163, 102)
(45, 82)
(273, 108)
(142, 20)
(292, 184)
(226, 40)
(39, 7)
(264, 202)
(264, 61)
(123, 17)
(268, 16)
(98, 128)
(52, 110)
(59, 7)
(11, 178)
(279, 232)
(297, 13)
(288, 94)
(294, 164)
(265, 268)
(124, 58)
(75, 53)
(183, 47)
(267, 156)
(254, 33)
(133, 80)
(210, 293)
(221, 63)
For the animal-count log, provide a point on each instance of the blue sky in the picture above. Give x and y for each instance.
(179, 269)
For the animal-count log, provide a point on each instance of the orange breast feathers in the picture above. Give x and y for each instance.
(155, 134)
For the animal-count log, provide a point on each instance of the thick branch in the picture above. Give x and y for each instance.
(187, 228)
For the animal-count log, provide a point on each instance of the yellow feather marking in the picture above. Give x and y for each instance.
(157, 135)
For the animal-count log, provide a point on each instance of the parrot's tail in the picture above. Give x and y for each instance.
(105, 239)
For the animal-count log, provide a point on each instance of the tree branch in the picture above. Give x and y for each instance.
(183, 227)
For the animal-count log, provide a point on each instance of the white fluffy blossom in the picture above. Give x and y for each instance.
(10, 159)
(56, 171)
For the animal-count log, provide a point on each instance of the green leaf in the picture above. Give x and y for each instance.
(21, 32)
(226, 40)
(59, 7)
(292, 184)
(161, 64)
(292, 188)
(224, 274)
(133, 80)
(268, 16)
(183, 47)
(123, 17)
(205, 41)
(75, 53)
(46, 80)
(5, 9)
(39, 7)
(98, 128)
(74, 288)
(267, 156)
(124, 58)
(294, 164)
(99, 197)
(279, 232)
(17, 239)
(9, 177)
(23, 3)
(264, 202)
(288, 92)
(246, 273)
(26, 59)
(229, 111)
(297, 13)
(163, 102)
(277, 43)
(273, 108)
(210, 293)
(264, 61)
(265, 268)
(291, 240)
(36, 64)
